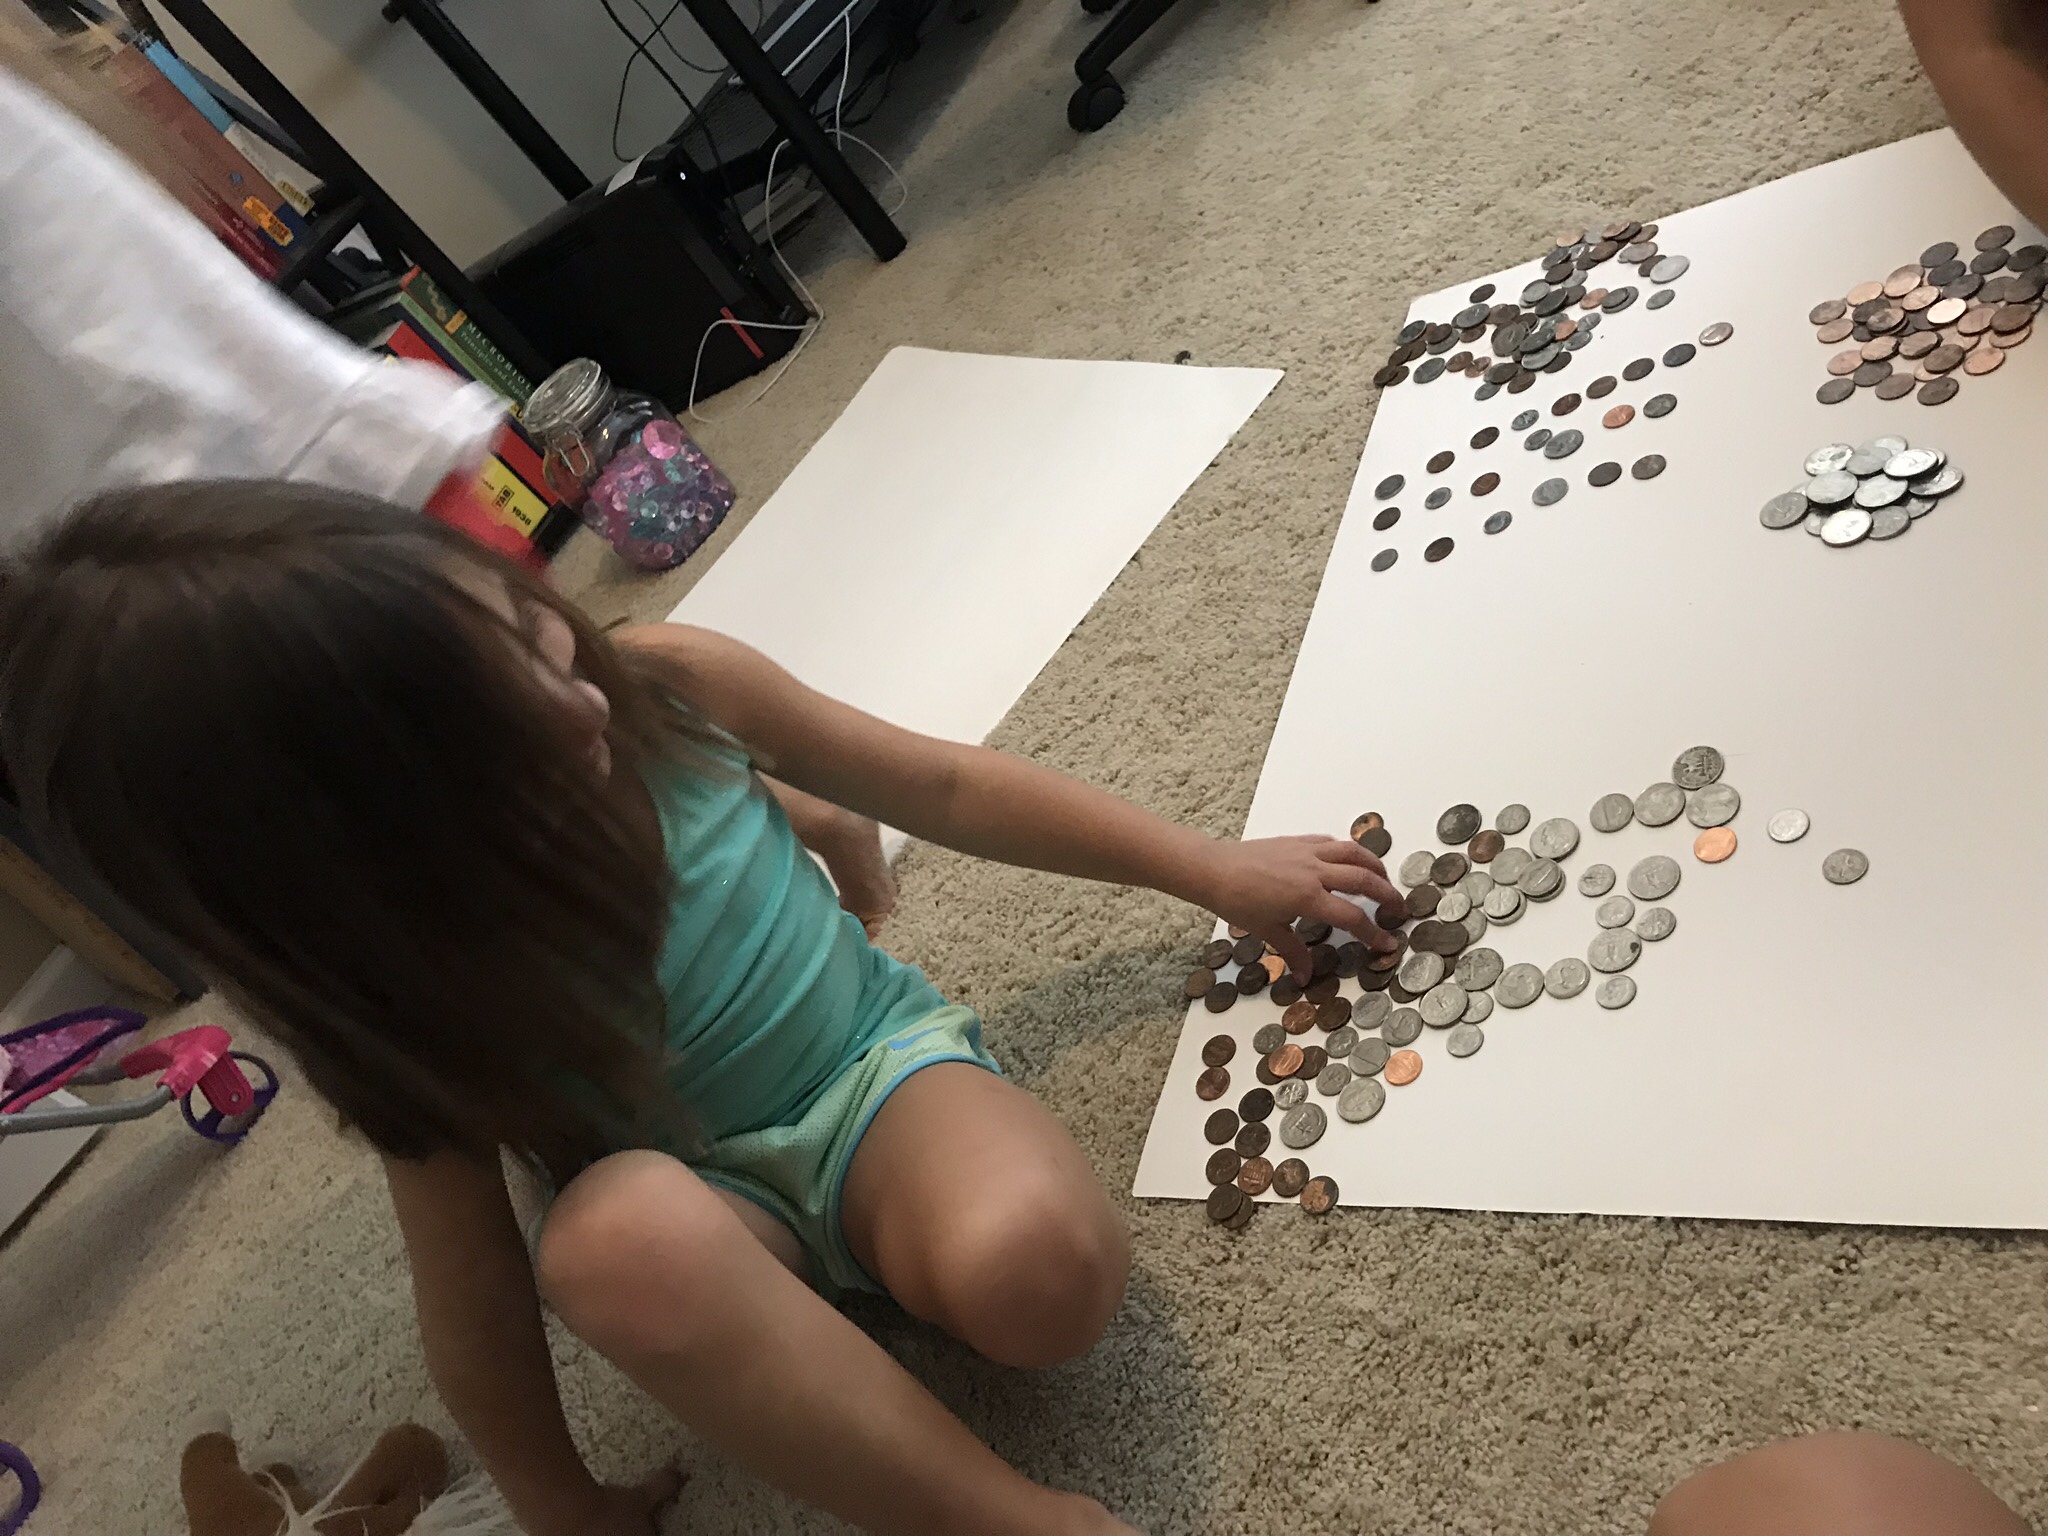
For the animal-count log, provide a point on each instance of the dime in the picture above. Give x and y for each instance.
(1290, 1093)
(1661, 297)
(1502, 905)
(1464, 1039)
(1654, 878)
(1788, 825)
(1680, 355)
(1615, 912)
(1714, 845)
(1613, 949)
(1554, 839)
(1610, 813)
(1596, 880)
(1655, 923)
(1512, 819)
(1519, 985)
(1403, 1067)
(1641, 368)
(1660, 804)
(1567, 978)
(1615, 992)
(1714, 806)
(1845, 866)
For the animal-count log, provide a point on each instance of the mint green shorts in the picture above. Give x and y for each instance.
(797, 1172)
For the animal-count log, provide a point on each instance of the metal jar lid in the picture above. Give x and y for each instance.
(568, 403)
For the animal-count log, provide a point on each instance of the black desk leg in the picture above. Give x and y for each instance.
(729, 35)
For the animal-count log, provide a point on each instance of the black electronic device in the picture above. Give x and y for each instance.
(634, 273)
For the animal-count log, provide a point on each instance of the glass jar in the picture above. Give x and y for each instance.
(626, 465)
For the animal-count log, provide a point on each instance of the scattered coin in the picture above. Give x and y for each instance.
(1319, 1195)
(1554, 839)
(1519, 985)
(1655, 923)
(1697, 767)
(1549, 493)
(1788, 825)
(1437, 549)
(1845, 866)
(1669, 269)
(1596, 880)
(1716, 333)
(1618, 416)
(1714, 806)
(1661, 297)
(1403, 1027)
(1390, 487)
(1605, 474)
(1457, 825)
(1612, 949)
(1255, 1177)
(1615, 992)
(1610, 813)
(1654, 878)
(1199, 982)
(1541, 880)
(1442, 1005)
(1333, 1079)
(1421, 971)
(1615, 912)
(1370, 1056)
(1478, 1007)
(1714, 845)
(1219, 1127)
(1659, 406)
(1478, 969)
(1256, 1105)
(1253, 1138)
(1290, 1093)
(1212, 1084)
(1567, 978)
(1403, 1067)
(1648, 467)
(1290, 1178)
(1498, 521)
(1217, 1050)
(1512, 819)
(1224, 1203)
(1660, 804)
(1503, 904)
(1464, 1039)
(1385, 559)
(1223, 1166)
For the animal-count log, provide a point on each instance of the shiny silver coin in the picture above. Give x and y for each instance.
(1371, 1011)
(1541, 880)
(1716, 333)
(1509, 865)
(1615, 992)
(1788, 825)
(1596, 879)
(1524, 420)
(1442, 1005)
(1611, 813)
(1421, 971)
(1415, 868)
(1836, 488)
(1890, 522)
(1868, 459)
(1497, 521)
(1361, 1101)
(1917, 507)
(1403, 1027)
(1879, 491)
(1785, 509)
(1888, 444)
(1911, 463)
(1333, 1079)
(1464, 1039)
(1656, 923)
(1615, 949)
(1478, 1007)
(1511, 820)
(1845, 866)
(1660, 406)
(1615, 912)
(1303, 1126)
(1848, 526)
(1268, 1038)
(1815, 521)
(1661, 297)
(1549, 493)
(1714, 806)
(1697, 767)
(1476, 886)
(1290, 1092)
(1474, 923)
(1451, 907)
(1519, 986)
(1940, 483)
(1369, 1056)
(1478, 969)
(1654, 878)
(1824, 461)
(1660, 805)
(1342, 1042)
(1669, 269)
(1567, 978)
(1538, 439)
(1502, 905)
(1554, 839)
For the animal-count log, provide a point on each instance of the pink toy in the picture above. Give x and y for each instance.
(194, 1066)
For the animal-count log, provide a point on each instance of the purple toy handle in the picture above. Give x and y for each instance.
(13, 1460)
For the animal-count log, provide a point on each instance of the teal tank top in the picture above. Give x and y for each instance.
(772, 988)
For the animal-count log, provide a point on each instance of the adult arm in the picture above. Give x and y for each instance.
(1988, 61)
(1003, 808)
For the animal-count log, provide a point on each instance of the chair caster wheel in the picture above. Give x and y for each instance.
(1094, 103)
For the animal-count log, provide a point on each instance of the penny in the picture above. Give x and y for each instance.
(1512, 819)
(1655, 923)
(1243, 1218)
(1834, 392)
(1659, 406)
(1568, 977)
(1680, 355)
(1223, 1166)
(1287, 1060)
(2027, 257)
(1984, 263)
(1224, 1202)
(1303, 1126)
(1564, 405)
(1903, 281)
(1648, 467)
(1826, 310)
(1639, 369)
(1247, 950)
(1654, 878)
(1615, 912)
(1403, 1067)
(1485, 437)
(1716, 333)
(1249, 980)
(1216, 953)
(1886, 317)
(1212, 1084)
(1439, 462)
(1219, 998)
(1437, 549)
(1716, 804)
(1938, 391)
(1198, 982)
(1983, 361)
(1403, 1027)
(1604, 474)
(1714, 845)
(1385, 559)
(1845, 866)
(1219, 1127)
(1290, 1093)
(1486, 484)
(1869, 375)
(1369, 1056)
(1299, 1017)
(1619, 416)
(1615, 992)
(1457, 825)
(1385, 518)
(1253, 1138)
(1601, 387)
(1597, 879)
(1485, 847)
(1838, 329)
(1390, 487)
(1448, 869)
(1217, 1050)
(1285, 993)
(1846, 362)
(1289, 1178)
(1519, 985)
(1319, 1195)
(1314, 1057)
(1896, 387)
(1255, 1177)
(1256, 1105)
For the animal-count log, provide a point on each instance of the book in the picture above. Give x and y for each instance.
(467, 337)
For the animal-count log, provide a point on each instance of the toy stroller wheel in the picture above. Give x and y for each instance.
(31, 1494)
(228, 1130)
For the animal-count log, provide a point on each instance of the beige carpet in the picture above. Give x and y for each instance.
(1289, 172)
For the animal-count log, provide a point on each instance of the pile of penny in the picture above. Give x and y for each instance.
(1876, 490)
(1556, 317)
(1440, 977)
(1933, 320)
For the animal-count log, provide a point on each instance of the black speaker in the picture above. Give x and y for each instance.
(633, 274)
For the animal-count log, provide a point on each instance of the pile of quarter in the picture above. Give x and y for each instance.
(1932, 321)
(1557, 315)
(1876, 490)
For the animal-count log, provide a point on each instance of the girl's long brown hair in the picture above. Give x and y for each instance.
(280, 723)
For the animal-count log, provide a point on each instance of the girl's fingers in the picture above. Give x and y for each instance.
(1288, 946)
(1338, 850)
(1339, 913)
(1359, 879)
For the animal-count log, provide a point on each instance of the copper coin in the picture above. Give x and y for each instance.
(1289, 1178)
(1286, 1061)
(2011, 317)
(1947, 311)
(1826, 310)
(1439, 462)
(1592, 298)
(1919, 299)
(1943, 358)
(1486, 484)
(1564, 405)
(1938, 391)
(1199, 982)
(1247, 949)
(1319, 1195)
(1902, 282)
(1869, 374)
(1286, 992)
(1486, 847)
(1377, 841)
(1976, 320)
(1334, 1014)
(1886, 317)
(1565, 238)
(1619, 416)
(1219, 998)
(1212, 1084)
(1219, 1127)
(1217, 1050)
(1601, 387)
(1402, 1068)
(1313, 1059)
(1566, 329)
(1350, 959)
(1385, 518)
(1438, 549)
(1250, 980)
(1322, 960)
(1366, 821)
(1846, 362)
(1222, 1166)
(1897, 387)
(1863, 293)
(1835, 330)
(1225, 1201)
(1423, 899)
(1879, 348)
(1834, 392)
(1253, 1139)
(1256, 1176)
(1321, 990)
(1982, 361)
(1216, 952)
(1393, 913)
(1256, 1105)
(2012, 338)
(1298, 1017)
(1244, 1215)
(1919, 344)
(1714, 845)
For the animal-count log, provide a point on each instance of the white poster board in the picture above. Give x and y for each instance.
(1798, 1051)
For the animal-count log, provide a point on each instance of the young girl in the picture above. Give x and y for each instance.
(501, 882)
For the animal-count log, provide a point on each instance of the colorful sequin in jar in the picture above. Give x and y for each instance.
(628, 467)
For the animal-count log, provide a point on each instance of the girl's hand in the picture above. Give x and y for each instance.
(634, 1511)
(1264, 886)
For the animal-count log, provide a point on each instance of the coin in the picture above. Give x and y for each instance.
(1458, 824)
(1659, 406)
(1716, 804)
(1290, 1093)
(1897, 387)
(1940, 483)
(1613, 949)
(1414, 869)
(1697, 767)
(1319, 1195)
(1224, 1202)
(1219, 1127)
(1255, 1177)
(1253, 1138)
(1369, 1056)
(1313, 1059)
(1834, 392)
(1641, 368)
(1443, 1004)
(1477, 969)
(1502, 905)
(1554, 839)
(1541, 879)
(1845, 363)
(1660, 804)
(1549, 493)
(1464, 1039)
(1385, 559)
(1982, 361)
(1439, 462)
(1519, 985)
(1619, 416)
(1648, 467)
(1784, 509)
(1604, 474)
(1403, 1067)
(1568, 977)
(1615, 992)
(1299, 1017)
(1655, 923)
(1565, 404)
(1453, 907)
(1212, 1084)
(1421, 971)
(1370, 1011)
(1615, 912)
(1601, 387)
(1653, 878)
(1243, 1218)
(1198, 982)
(1564, 445)
(1478, 1007)
(1303, 1126)
(1716, 333)
(1256, 1105)
(1485, 847)
(1222, 1166)
(1938, 391)
(1385, 518)
(1287, 1060)
(1290, 1178)
(1844, 527)
(1437, 549)
(1610, 813)
(1680, 355)
(1788, 825)
(1448, 869)
(1845, 866)
(1838, 329)
(1596, 879)
(1403, 1027)
(1498, 521)
(1669, 269)
(1217, 1050)
(1220, 997)
(1714, 845)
